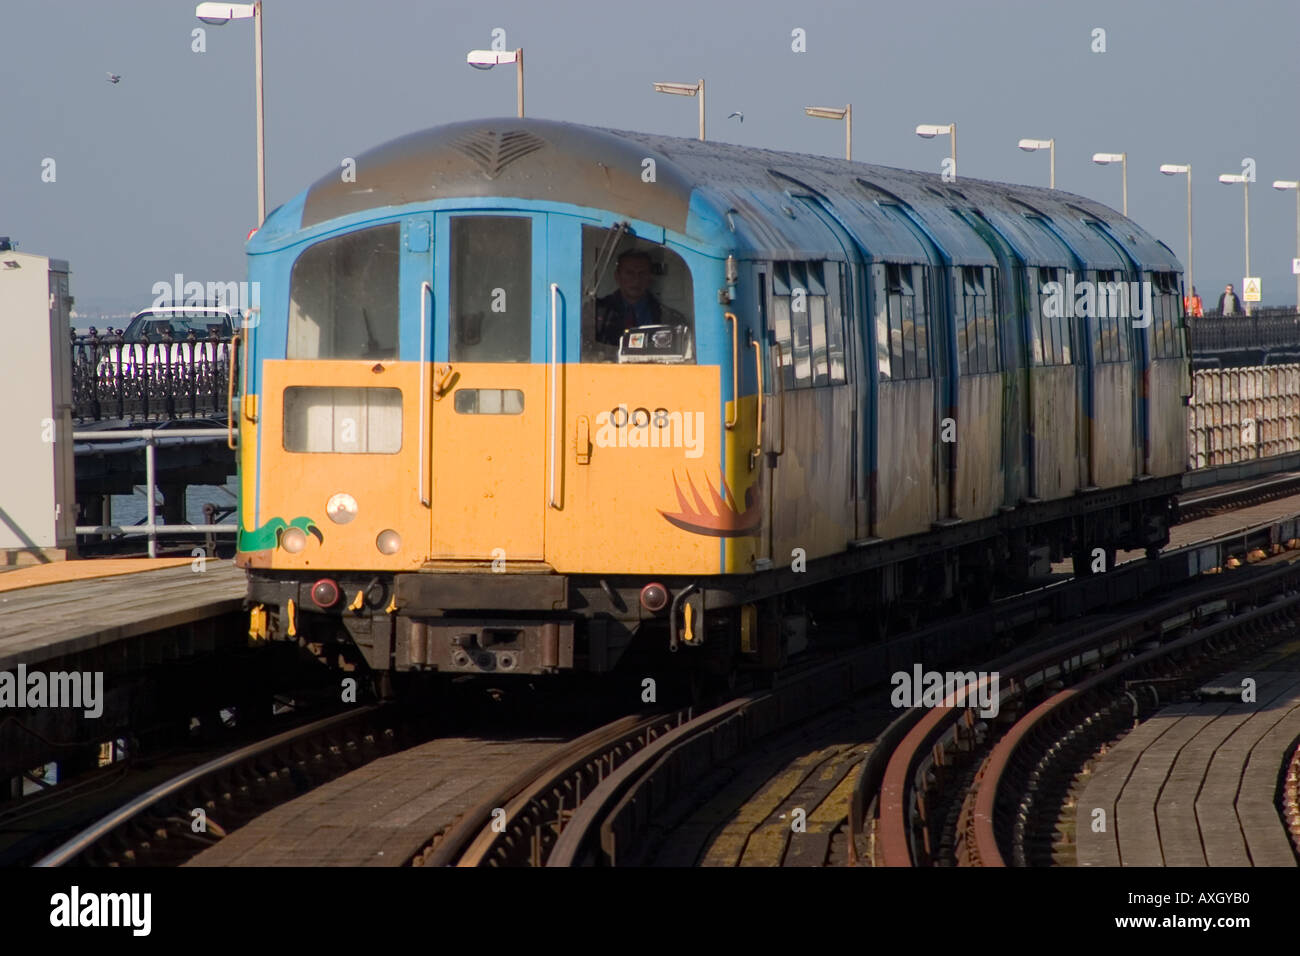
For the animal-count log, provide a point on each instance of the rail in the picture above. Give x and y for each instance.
(150, 437)
(159, 377)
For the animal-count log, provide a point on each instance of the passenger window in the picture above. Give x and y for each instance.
(491, 306)
(800, 311)
(629, 284)
(977, 335)
(903, 301)
(836, 359)
(343, 297)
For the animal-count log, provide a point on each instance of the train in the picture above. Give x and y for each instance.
(518, 397)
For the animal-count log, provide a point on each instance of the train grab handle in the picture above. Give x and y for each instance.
(426, 291)
(230, 391)
(555, 386)
(758, 431)
(735, 369)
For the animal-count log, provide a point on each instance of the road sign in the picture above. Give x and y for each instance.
(1250, 287)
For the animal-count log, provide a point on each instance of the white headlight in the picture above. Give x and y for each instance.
(293, 540)
(341, 508)
(388, 542)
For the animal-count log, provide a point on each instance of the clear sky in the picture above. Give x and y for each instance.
(155, 175)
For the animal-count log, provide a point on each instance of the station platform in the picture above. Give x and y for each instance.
(69, 607)
(1197, 783)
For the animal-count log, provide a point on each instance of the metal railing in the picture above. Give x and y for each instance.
(151, 527)
(1264, 330)
(155, 379)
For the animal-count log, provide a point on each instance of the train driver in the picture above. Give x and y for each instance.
(632, 304)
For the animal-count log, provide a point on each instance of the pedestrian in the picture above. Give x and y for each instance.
(1230, 303)
(1192, 305)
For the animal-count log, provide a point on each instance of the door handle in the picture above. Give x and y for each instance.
(582, 446)
(758, 430)
(735, 369)
(442, 382)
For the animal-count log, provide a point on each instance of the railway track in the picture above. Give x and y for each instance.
(197, 808)
(945, 787)
(1216, 499)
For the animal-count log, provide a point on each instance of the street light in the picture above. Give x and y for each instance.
(686, 89)
(486, 59)
(219, 14)
(1293, 184)
(930, 131)
(1173, 169)
(1231, 179)
(1029, 145)
(832, 112)
(1105, 159)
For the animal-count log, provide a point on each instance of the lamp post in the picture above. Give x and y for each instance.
(1230, 179)
(1105, 159)
(930, 131)
(219, 14)
(686, 89)
(1293, 184)
(835, 113)
(1174, 169)
(1030, 145)
(486, 59)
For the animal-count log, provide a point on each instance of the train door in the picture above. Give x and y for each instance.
(484, 394)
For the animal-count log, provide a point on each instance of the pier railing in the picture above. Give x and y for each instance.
(148, 439)
(157, 379)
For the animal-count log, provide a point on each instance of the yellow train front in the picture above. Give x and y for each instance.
(517, 395)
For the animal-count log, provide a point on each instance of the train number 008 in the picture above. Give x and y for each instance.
(640, 417)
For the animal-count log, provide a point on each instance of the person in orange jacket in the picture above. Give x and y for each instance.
(1192, 305)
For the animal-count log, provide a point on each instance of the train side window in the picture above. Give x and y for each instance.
(628, 283)
(491, 311)
(880, 298)
(781, 327)
(837, 295)
(343, 297)
(800, 314)
(977, 330)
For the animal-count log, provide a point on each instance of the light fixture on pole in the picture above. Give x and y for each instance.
(686, 89)
(1293, 184)
(486, 59)
(930, 131)
(836, 113)
(1030, 145)
(1105, 159)
(219, 14)
(1174, 169)
(1232, 179)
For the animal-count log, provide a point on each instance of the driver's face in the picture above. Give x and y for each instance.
(633, 278)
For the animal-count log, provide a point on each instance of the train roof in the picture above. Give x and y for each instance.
(770, 198)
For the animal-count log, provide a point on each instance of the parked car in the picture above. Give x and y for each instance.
(145, 344)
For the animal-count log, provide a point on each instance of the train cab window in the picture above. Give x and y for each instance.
(491, 310)
(976, 319)
(343, 297)
(638, 301)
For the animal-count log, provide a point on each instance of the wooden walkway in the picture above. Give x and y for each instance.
(48, 621)
(1196, 785)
